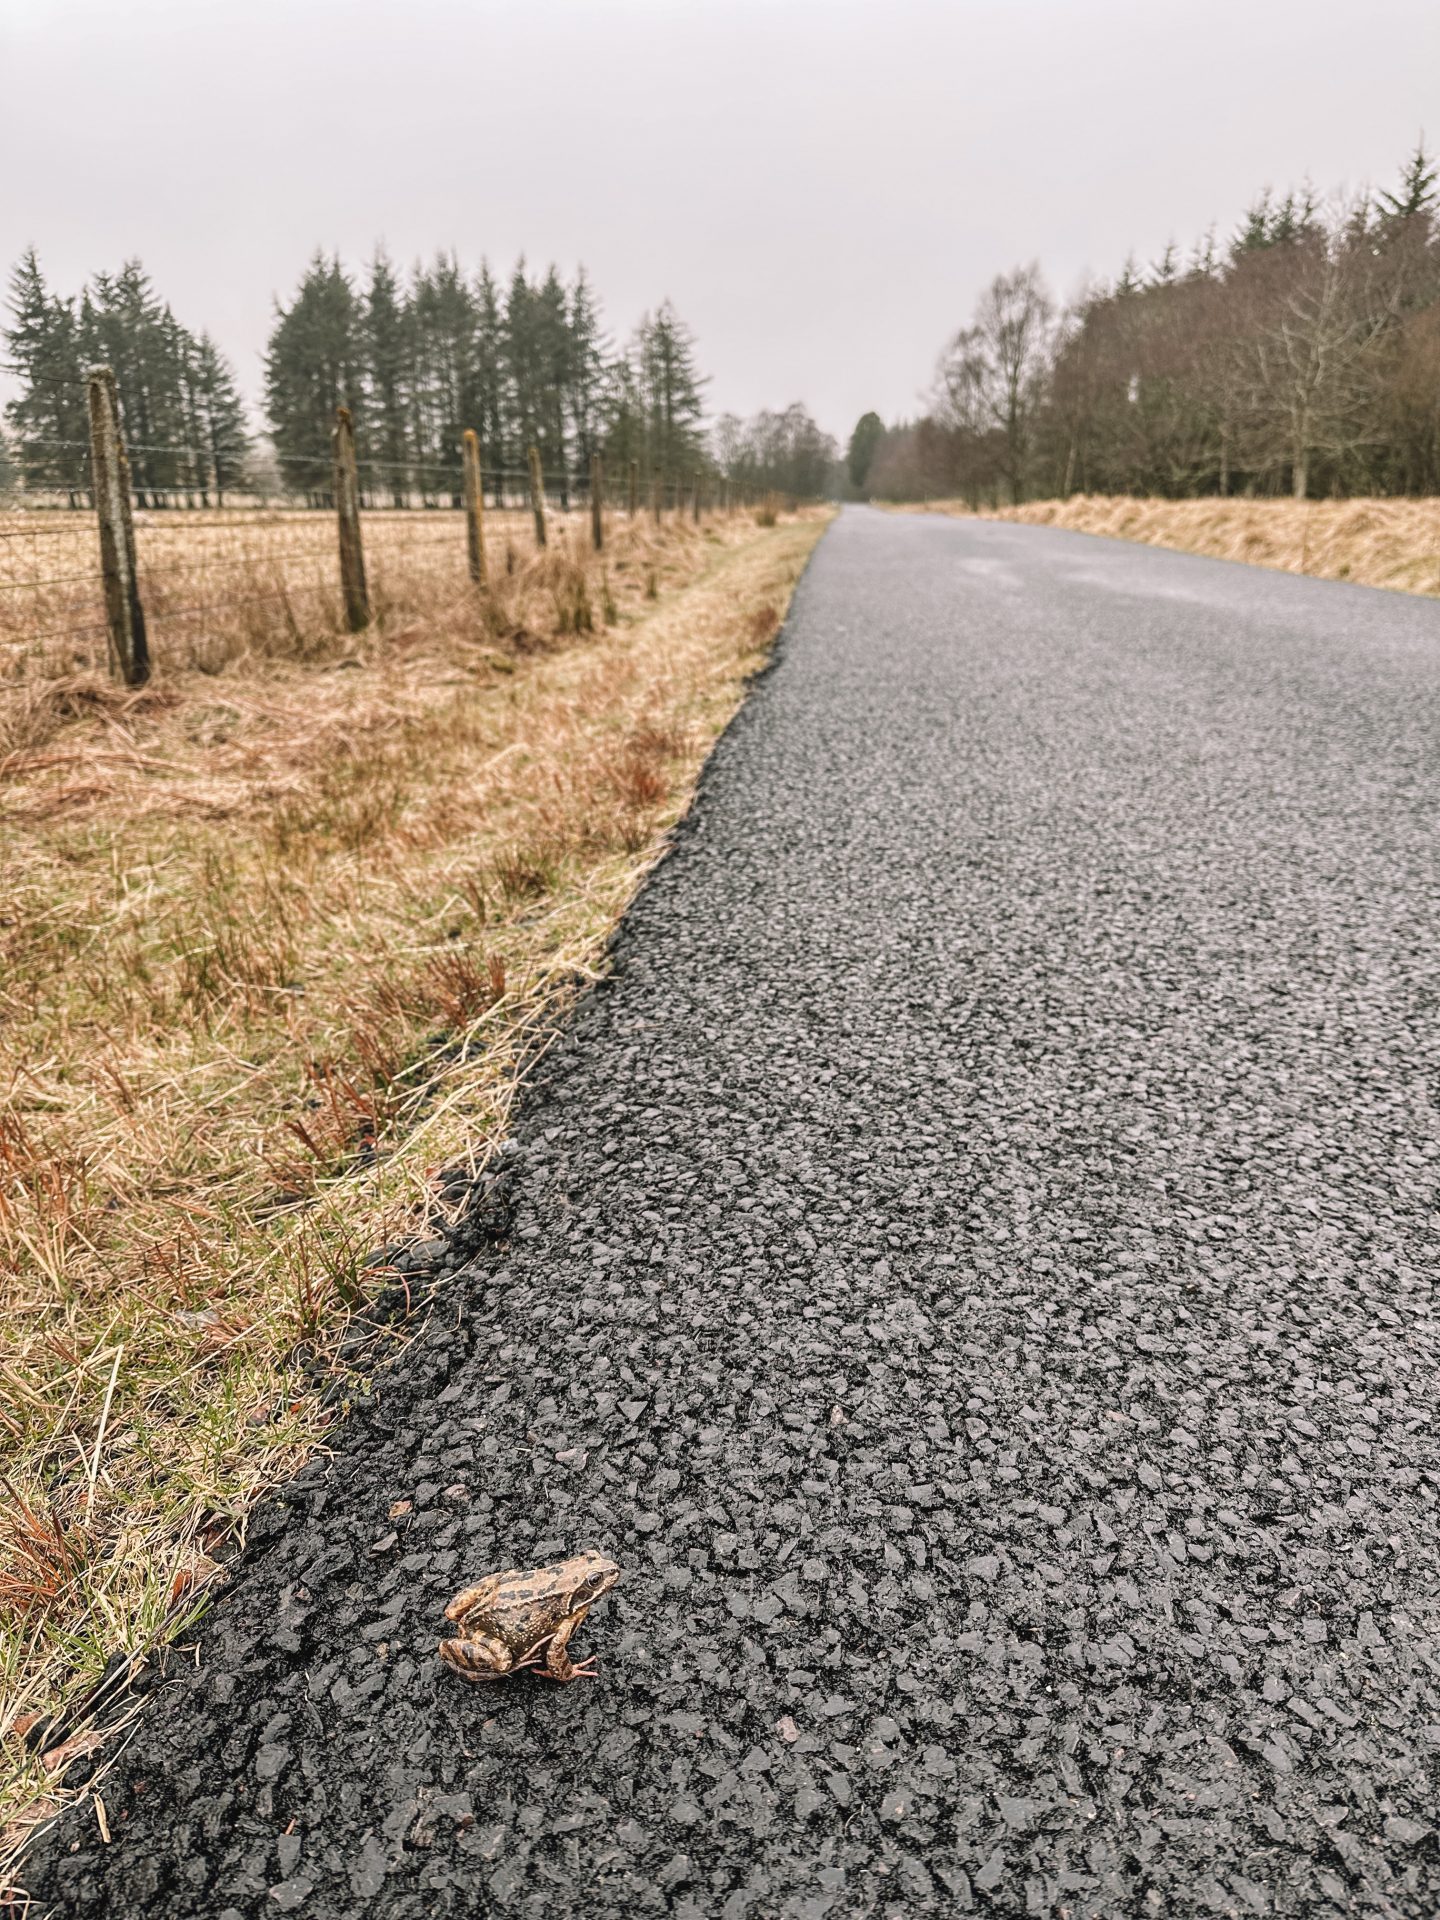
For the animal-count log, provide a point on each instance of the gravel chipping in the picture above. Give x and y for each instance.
(971, 1267)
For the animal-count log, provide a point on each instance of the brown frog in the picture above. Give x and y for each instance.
(510, 1620)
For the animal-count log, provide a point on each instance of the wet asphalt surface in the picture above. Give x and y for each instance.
(973, 1268)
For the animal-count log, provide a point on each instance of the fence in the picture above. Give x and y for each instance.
(97, 553)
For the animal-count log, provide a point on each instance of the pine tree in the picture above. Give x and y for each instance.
(1254, 231)
(389, 370)
(491, 419)
(670, 389)
(50, 416)
(588, 358)
(314, 363)
(222, 438)
(625, 423)
(520, 382)
(550, 324)
(1204, 262)
(1417, 193)
(136, 336)
(443, 325)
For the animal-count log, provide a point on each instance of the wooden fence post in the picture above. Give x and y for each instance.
(634, 488)
(597, 503)
(474, 507)
(537, 496)
(347, 509)
(695, 485)
(110, 478)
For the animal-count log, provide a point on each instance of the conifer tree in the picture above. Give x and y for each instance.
(625, 436)
(490, 414)
(222, 438)
(389, 368)
(670, 387)
(521, 371)
(124, 324)
(550, 324)
(445, 392)
(314, 363)
(1417, 192)
(587, 372)
(49, 416)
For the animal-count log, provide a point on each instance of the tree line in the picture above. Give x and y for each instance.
(416, 358)
(776, 453)
(1300, 357)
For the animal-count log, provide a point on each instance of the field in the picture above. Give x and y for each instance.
(281, 931)
(1376, 543)
(253, 583)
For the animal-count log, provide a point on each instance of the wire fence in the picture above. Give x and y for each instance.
(265, 557)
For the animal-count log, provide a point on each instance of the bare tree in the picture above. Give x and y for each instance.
(1316, 357)
(991, 377)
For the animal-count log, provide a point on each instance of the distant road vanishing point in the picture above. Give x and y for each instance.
(973, 1270)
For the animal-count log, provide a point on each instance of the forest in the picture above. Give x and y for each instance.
(1300, 357)
(417, 358)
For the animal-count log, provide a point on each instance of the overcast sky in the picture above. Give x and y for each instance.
(821, 186)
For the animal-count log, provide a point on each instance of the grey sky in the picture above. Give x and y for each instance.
(822, 186)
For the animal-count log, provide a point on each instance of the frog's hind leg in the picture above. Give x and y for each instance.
(558, 1664)
(477, 1659)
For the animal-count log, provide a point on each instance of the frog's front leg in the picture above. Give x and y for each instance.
(479, 1658)
(558, 1664)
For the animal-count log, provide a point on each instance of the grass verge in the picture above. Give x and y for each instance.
(278, 942)
(1375, 543)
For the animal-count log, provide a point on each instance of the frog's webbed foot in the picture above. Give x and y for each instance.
(571, 1669)
(558, 1664)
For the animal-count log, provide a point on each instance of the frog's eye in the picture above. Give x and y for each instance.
(596, 1579)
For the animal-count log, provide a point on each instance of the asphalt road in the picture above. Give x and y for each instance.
(974, 1271)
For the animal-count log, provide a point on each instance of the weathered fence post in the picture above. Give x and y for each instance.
(695, 483)
(474, 507)
(110, 477)
(597, 503)
(347, 509)
(634, 488)
(537, 496)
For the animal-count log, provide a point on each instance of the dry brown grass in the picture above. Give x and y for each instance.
(262, 583)
(1376, 543)
(278, 936)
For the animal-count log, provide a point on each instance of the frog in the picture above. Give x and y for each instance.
(510, 1621)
